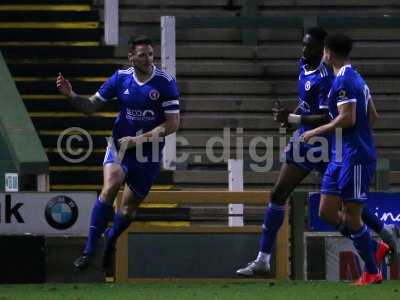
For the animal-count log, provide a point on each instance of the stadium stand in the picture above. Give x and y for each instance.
(229, 77)
(38, 41)
(228, 84)
(17, 131)
(224, 82)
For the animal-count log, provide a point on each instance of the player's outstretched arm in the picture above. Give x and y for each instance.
(87, 105)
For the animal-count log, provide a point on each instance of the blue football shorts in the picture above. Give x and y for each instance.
(350, 181)
(305, 157)
(139, 176)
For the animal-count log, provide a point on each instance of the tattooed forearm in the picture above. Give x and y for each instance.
(87, 105)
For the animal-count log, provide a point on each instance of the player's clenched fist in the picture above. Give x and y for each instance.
(64, 86)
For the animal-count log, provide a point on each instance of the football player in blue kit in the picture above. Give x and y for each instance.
(315, 80)
(353, 156)
(148, 100)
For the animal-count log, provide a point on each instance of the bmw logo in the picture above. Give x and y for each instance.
(61, 212)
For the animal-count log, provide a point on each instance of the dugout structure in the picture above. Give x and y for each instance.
(184, 250)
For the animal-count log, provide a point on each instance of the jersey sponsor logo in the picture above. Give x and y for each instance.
(154, 95)
(148, 113)
(140, 115)
(307, 86)
(126, 92)
(61, 212)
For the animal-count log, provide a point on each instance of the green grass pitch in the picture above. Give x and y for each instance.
(243, 290)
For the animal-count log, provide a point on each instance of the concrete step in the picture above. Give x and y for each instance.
(201, 178)
(385, 50)
(205, 36)
(264, 103)
(197, 158)
(47, 16)
(385, 68)
(215, 87)
(140, 15)
(7, 34)
(67, 175)
(328, 3)
(58, 103)
(184, 68)
(175, 3)
(257, 121)
(77, 5)
(270, 87)
(225, 44)
(15, 52)
(336, 10)
(220, 177)
(237, 3)
(205, 103)
(200, 140)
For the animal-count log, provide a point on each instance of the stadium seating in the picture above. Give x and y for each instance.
(227, 84)
(224, 83)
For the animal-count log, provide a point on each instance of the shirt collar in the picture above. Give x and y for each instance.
(147, 80)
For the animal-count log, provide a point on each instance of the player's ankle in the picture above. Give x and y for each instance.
(264, 257)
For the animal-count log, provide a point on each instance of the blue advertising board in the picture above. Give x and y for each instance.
(386, 206)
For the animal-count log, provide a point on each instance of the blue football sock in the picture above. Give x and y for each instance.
(102, 213)
(344, 230)
(121, 223)
(371, 220)
(273, 220)
(363, 243)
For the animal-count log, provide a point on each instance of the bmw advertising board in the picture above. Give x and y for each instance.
(52, 214)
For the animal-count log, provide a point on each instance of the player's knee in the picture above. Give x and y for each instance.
(129, 210)
(109, 192)
(352, 221)
(329, 217)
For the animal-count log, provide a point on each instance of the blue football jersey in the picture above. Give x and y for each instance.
(313, 88)
(142, 104)
(357, 142)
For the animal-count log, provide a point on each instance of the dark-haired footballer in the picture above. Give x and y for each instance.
(149, 110)
(353, 157)
(315, 81)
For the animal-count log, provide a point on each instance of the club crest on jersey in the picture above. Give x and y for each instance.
(342, 95)
(307, 86)
(154, 95)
